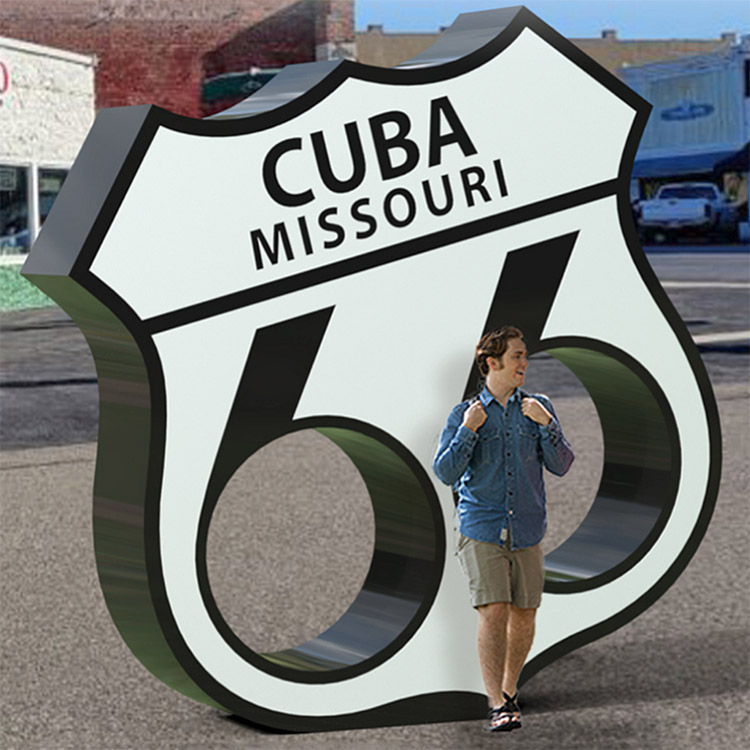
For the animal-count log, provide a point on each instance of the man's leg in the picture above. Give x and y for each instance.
(492, 639)
(520, 636)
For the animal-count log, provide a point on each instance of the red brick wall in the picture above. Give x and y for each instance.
(160, 51)
(336, 23)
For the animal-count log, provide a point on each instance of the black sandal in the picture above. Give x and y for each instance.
(504, 718)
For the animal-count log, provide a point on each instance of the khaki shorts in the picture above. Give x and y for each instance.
(499, 574)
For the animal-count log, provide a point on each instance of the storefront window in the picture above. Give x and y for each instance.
(50, 182)
(15, 234)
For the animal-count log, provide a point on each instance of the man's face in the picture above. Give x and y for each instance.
(510, 369)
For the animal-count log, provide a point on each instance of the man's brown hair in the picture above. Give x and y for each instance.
(494, 344)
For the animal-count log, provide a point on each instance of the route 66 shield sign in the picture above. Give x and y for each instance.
(397, 214)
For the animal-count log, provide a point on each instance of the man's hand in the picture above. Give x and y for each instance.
(475, 416)
(532, 409)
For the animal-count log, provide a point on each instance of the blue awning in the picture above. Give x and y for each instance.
(738, 162)
(671, 166)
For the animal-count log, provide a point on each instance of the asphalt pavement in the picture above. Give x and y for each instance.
(675, 677)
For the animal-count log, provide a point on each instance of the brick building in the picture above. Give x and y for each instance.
(375, 46)
(193, 57)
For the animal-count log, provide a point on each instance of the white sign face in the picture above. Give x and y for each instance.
(197, 255)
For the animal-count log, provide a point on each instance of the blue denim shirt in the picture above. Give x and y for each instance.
(497, 470)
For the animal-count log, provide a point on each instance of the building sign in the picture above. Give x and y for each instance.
(330, 264)
(4, 81)
(686, 110)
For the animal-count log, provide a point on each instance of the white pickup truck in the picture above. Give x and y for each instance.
(696, 207)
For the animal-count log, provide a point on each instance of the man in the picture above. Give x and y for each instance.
(492, 451)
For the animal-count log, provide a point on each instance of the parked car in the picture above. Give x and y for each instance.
(686, 208)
